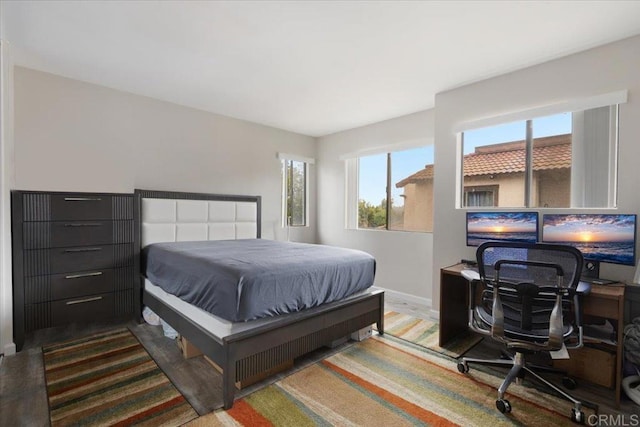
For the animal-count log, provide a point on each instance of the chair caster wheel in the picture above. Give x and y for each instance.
(463, 368)
(503, 406)
(569, 383)
(577, 416)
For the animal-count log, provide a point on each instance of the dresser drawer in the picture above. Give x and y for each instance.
(41, 235)
(94, 257)
(77, 233)
(71, 285)
(44, 262)
(80, 207)
(83, 309)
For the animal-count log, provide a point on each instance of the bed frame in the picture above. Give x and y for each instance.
(252, 350)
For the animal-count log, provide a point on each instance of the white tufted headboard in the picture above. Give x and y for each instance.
(175, 217)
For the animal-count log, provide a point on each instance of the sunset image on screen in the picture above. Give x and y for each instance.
(589, 228)
(600, 237)
(586, 236)
(501, 226)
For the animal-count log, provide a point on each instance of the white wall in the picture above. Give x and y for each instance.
(6, 181)
(403, 258)
(75, 136)
(601, 70)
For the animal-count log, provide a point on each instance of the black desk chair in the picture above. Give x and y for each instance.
(525, 297)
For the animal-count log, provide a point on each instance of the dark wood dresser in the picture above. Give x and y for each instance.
(74, 259)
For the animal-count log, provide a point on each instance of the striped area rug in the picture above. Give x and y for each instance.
(425, 333)
(110, 379)
(385, 381)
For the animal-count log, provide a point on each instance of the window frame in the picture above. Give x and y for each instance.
(288, 159)
(494, 189)
(352, 186)
(613, 100)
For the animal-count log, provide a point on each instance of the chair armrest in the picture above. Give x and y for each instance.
(470, 275)
(583, 288)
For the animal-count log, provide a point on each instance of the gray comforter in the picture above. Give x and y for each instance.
(248, 279)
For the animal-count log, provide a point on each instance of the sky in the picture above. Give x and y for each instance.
(373, 177)
(557, 124)
(372, 169)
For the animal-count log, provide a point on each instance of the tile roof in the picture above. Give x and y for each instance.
(553, 152)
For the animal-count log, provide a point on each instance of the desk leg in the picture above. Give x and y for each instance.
(620, 349)
(454, 290)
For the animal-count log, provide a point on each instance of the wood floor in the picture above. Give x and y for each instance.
(23, 399)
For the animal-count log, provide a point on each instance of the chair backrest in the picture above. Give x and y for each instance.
(536, 284)
(533, 262)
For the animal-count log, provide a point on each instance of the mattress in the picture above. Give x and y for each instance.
(240, 280)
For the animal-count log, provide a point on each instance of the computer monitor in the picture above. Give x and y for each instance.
(600, 237)
(501, 226)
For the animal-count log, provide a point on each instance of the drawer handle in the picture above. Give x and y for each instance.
(77, 276)
(86, 224)
(82, 199)
(83, 250)
(82, 301)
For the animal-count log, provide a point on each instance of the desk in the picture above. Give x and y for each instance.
(602, 302)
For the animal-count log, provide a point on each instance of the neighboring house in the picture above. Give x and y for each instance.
(494, 176)
(418, 200)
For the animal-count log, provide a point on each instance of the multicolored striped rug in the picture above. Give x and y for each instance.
(110, 379)
(385, 381)
(425, 333)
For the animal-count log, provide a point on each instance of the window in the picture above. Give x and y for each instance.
(395, 190)
(558, 161)
(295, 188)
(485, 196)
(296, 184)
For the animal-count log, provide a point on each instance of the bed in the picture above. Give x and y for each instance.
(242, 348)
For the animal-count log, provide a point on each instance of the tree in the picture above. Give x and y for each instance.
(370, 216)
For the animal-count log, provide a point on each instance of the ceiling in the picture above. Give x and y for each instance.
(312, 67)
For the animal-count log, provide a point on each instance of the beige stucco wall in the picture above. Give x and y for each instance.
(549, 188)
(554, 188)
(418, 206)
(511, 187)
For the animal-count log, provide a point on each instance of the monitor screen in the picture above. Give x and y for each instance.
(600, 237)
(502, 227)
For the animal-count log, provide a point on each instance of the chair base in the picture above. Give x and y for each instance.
(568, 382)
(518, 368)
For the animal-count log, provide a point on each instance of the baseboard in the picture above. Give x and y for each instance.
(9, 349)
(424, 303)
